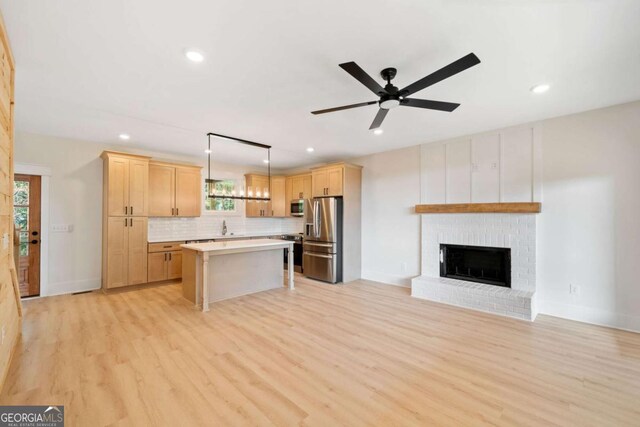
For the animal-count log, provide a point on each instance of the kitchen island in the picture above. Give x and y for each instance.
(217, 271)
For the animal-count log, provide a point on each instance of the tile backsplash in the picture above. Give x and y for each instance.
(208, 226)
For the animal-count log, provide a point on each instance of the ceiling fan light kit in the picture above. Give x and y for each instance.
(391, 97)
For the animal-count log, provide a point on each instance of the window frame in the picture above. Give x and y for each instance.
(239, 204)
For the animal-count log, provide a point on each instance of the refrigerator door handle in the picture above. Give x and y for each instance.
(317, 221)
(319, 255)
(322, 245)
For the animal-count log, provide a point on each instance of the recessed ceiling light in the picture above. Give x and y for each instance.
(378, 131)
(124, 137)
(310, 150)
(265, 161)
(541, 88)
(207, 151)
(194, 55)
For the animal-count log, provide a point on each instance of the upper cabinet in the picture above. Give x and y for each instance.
(174, 190)
(126, 182)
(328, 181)
(278, 196)
(189, 190)
(499, 167)
(257, 186)
(297, 187)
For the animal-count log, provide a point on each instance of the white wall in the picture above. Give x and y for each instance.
(588, 231)
(390, 229)
(76, 199)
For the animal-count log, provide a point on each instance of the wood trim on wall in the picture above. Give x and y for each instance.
(10, 305)
(534, 207)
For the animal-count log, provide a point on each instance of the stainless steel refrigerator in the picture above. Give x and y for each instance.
(322, 245)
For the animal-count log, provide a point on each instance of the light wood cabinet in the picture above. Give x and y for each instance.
(162, 190)
(278, 196)
(126, 257)
(174, 265)
(328, 181)
(189, 189)
(157, 267)
(174, 190)
(126, 184)
(257, 185)
(117, 247)
(124, 229)
(137, 250)
(297, 187)
(164, 261)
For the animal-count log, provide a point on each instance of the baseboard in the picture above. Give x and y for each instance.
(70, 287)
(590, 315)
(388, 279)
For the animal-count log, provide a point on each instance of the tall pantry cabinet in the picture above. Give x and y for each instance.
(125, 219)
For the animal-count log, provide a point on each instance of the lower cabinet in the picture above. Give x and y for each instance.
(126, 260)
(164, 262)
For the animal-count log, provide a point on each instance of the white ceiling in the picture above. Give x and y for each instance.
(94, 69)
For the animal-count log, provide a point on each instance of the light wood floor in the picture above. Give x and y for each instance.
(358, 354)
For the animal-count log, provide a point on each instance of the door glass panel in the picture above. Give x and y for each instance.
(21, 216)
(21, 193)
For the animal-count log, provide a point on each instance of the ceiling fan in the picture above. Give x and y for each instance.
(391, 97)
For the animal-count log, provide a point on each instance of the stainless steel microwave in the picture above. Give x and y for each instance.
(297, 207)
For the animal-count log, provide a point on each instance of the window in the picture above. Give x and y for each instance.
(225, 186)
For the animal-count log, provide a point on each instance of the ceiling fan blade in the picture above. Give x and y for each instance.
(344, 107)
(364, 78)
(382, 113)
(431, 105)
(443, 73)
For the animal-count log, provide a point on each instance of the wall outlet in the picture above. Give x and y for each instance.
(62, 228)
(574, 289)
(5, 240)
(4, 332)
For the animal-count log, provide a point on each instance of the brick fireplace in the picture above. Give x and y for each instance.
(515, 231)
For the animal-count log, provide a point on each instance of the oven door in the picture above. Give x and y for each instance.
(297, 257)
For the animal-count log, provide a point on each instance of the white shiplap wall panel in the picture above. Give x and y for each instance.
(485, 169)
(517, 165)
(434, 175)
(458, 187)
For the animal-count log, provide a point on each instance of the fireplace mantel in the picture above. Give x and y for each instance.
(480, 208)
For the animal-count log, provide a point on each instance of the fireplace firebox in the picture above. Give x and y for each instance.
(480, 264)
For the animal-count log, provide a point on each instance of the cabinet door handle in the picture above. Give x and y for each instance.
(130, 222)
(131, 209)
(125, 222)
(169, 256)
(177, 211)
(125, 210)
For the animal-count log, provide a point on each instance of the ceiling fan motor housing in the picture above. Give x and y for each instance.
(389, 101)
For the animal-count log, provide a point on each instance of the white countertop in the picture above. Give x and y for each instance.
(236, 246)
(218, 236)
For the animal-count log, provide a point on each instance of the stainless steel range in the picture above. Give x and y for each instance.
(297, 251)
